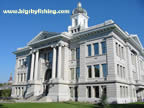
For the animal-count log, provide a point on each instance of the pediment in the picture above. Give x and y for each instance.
(42, 35)
(135, 37)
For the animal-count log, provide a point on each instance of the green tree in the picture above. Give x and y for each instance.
(103, 101)
(5, 93)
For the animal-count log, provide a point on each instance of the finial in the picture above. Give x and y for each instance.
(79, 5)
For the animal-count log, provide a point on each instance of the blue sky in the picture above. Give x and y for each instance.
(17, 30)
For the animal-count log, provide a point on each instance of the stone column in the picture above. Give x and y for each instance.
(100, 48)
(92, 50)
(18, 91)
(32, 66)
(100, 91)
(101, 71)
(18, 78)
(36, 65)
(59, 62)
(54, 63)
(92, 92)
(19, 75)
(23, 77)
(93, 71)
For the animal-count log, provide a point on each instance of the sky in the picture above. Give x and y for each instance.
(17, 30)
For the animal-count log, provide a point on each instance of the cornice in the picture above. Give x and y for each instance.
(50, 39)
(19, 50)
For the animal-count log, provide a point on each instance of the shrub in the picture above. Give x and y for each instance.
(5, 93)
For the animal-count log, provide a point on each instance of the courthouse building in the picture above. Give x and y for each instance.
(81, 64)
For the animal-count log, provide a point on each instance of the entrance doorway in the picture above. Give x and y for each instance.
(48, 74)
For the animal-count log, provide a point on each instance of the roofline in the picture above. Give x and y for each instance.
(53, 37)
(21, 50)
(38, 35)
(105, 25)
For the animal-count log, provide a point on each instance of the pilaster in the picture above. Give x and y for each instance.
(32, 66)
(36, 65)
(54, 63)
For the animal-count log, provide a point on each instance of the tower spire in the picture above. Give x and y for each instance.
(79, 5)
(79, 19)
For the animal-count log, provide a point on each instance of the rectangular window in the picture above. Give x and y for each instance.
(19, 63)
(50, 56)
(96, 91)
(89, 91)
(127, 92)
(77, 53)
(124, 72)
(121, 71)
(122, 50)
(97, 71)
(96, 48)
(76, 22)
(117, 49)
(118, 68)
(104, 67)
(89, 50)
(104, 50)
(104, 89)
(89, 72)
(121, 91)
(77, 72)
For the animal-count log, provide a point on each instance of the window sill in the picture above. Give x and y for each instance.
(96, 79)
(95, 55)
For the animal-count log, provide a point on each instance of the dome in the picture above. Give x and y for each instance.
(79, 9)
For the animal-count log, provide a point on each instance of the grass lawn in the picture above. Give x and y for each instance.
(47, 105)
(67, 105)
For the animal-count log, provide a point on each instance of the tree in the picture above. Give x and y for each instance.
(5, 93)
(103, 100)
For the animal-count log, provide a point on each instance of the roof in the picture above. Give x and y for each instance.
(79, 9)
(43, 35)
(136, 39)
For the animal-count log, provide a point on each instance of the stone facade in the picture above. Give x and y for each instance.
(81, 64)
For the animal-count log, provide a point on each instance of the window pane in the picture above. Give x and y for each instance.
(104, 66)
(89, 50)
(97, 91)
(96, 48)
(50, 55)
(89, 92)
(76, 22)
(103, 47)
(89, 72)
(97, 71)
(77, 53)
(77, 72)
(118, 69)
